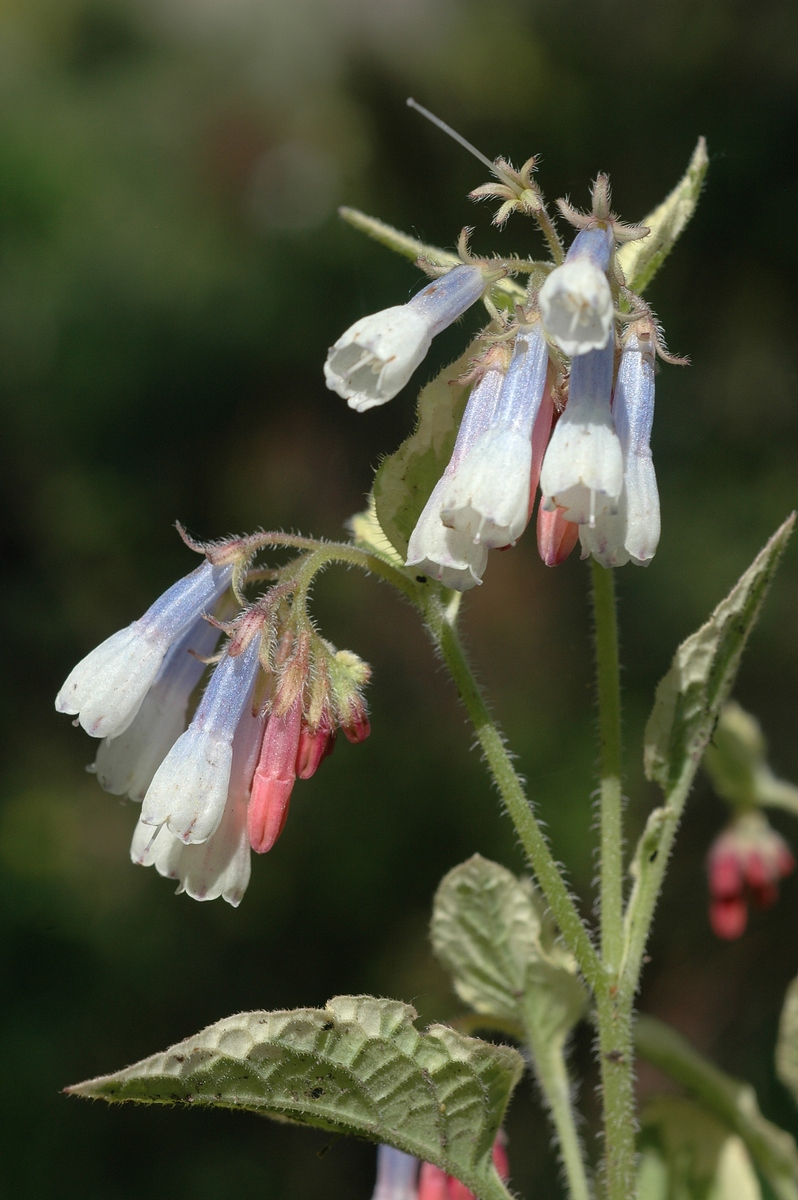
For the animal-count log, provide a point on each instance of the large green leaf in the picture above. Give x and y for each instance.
(689, 698)
(698, 1156)
(491, 931)
(640, 260)
(358, 1067)
(404, 480)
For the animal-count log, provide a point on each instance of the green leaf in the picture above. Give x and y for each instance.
(368, 534)
(701, 1157)
(490, 930)
(787, 1045)
(505, 292)
(641, 260)
(689, 698)
(731, 1102)
(404, 480)
(357, 1067)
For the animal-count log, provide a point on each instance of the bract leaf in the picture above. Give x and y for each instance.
(641, 260)
(357, 1066)
(689, 698)
(405, 479)
(491, 931)
(367, 533)
(505, 292)
(730, 1101)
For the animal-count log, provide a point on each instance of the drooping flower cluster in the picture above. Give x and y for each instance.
(579, 428)
(745, 864)
(269, 714)
(402, 1177)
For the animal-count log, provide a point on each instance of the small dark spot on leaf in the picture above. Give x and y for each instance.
(327, 1026)
(653, 857)
(316, 1093)
(180, 1058)
(421, 579)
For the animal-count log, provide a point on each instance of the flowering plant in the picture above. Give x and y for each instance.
(555, 392)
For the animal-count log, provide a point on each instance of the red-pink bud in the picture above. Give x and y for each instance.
(274, 779)
(541, 431)
(358, 727)
(728, 917)
(556, 536)
(314, 745)
(433, 1183)
(725, 873)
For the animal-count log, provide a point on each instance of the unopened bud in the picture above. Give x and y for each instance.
(314, 745)
(556, 536)
(274, 779)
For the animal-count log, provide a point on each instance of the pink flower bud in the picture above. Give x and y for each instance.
(745, 864)
(556, 536)
(358, 726)
(314, 745)
(728, 918)
(433, 1183)
(274, 779)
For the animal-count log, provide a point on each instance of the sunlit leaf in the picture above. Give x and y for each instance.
(696, 1155)
(358, 1066)
(640, 260)
(689, 698)
(369, 535)
(787, 1045)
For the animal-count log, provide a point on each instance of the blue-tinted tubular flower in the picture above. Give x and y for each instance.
(375, 358)
(219, 866)
(487, 494)
(633, 532)
(189, 791)
(126, 764)
(583, 468)
(106, 689)
(575, 300)
(452, 557)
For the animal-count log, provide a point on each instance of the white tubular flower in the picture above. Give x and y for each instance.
(576, 301)
(452, 557)
(189, 791)
(125, 765)
(221, 865)
(583, 467)
(397, 1175)
(374, 359)
(108, 686)
(487, 493)
(633, 532)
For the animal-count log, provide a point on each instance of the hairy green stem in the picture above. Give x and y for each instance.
(507, 781)
(552, 1075)
(609, 718)
(614, 1008)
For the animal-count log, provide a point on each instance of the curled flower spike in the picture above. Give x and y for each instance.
(375, 358)
(575, 301)
(745, 863)
(189, 791)
(633, 531)
(487, 494)
(107, 688)
(583, 468)
(452, 557)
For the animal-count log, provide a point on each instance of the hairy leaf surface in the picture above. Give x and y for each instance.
(357, 1066)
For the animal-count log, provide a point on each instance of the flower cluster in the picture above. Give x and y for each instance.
(563, 397)
(402, 1177)
(269, 714)
(745, 863)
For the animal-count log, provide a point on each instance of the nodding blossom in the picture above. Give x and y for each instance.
(374, 359)
(107, 688)
(487, 493)
(744, 864)
(188, 793)
(575, 300)
(633, 531)
(449, 555)
(402, 1177)
(583, 468)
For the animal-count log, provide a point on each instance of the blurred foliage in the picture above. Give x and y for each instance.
(171, 273)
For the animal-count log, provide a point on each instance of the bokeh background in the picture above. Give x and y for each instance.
(171, 272)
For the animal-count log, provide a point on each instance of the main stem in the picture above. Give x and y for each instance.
(613, 1005)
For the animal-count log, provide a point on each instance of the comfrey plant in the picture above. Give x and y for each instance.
(556, 393)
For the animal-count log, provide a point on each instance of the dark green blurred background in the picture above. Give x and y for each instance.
(171, 273)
